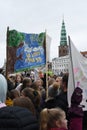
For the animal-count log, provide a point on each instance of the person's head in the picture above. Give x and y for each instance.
(76, 97)
(53, 89)
(32, 94)
(56, 86)
(59, 80)
(37, 85)
(14, 94)
(26, 82)
(24, 102)
(39, 82)
(18, 78)
(3, 88)
(51, 81)
(52, 118)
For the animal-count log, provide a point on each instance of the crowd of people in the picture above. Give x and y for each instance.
(24, 104)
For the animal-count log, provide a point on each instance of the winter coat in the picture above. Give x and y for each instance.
(17, 118)
(58, 101)
(61, 101)
(75, 112)
(76, 123)
(75, 118)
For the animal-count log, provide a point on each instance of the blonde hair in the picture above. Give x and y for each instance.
(48, 118)
(55, 85)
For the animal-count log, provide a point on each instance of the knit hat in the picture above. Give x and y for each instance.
(76, 97)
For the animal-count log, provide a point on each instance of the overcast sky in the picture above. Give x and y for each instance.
(35, 16)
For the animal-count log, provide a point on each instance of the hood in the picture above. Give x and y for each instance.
(3, 88)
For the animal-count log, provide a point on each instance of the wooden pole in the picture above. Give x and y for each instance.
(46, 66)
(7, 52)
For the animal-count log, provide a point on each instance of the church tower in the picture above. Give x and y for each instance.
(63, 48)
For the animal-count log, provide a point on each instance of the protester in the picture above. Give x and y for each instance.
(18, 79)
(38, 86)
(10, 96)
(75, 111)
(26, 83)
(53, 119)
(35, 98)
(53, 91)
(61, 99)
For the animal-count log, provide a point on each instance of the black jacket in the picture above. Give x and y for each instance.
(58, 101)
(17, 118)
(61, 101)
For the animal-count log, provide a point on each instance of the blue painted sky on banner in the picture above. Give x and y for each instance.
(32, 52)
(35, 16)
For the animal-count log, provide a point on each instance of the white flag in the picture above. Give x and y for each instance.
(77, 73)
(48, 44)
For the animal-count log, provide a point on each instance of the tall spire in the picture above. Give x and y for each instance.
(63, 38)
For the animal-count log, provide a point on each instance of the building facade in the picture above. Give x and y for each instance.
(60, 65)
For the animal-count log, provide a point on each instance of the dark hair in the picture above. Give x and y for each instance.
(65, 79)
(24, 102)
(14, 93)
(25, 81)
(32, 94)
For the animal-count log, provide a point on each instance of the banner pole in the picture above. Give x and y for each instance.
(46, 67)
(7, 52)
(71, 60)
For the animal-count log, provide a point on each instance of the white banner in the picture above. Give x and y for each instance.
(77, 73)
(48, 44)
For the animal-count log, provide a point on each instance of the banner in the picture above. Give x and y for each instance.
(77, 73)
(25, 51)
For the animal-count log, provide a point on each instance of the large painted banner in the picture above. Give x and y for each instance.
(77, 73)
(25, 51)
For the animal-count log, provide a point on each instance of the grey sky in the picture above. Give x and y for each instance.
(34, 16)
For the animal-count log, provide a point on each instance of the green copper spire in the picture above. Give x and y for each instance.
(63, 38)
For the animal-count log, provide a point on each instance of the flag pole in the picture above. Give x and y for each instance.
(46, 66)
(7, 52)
(71, 60)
